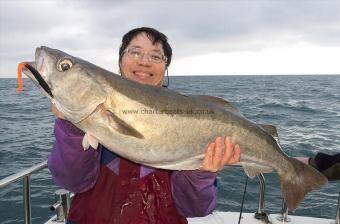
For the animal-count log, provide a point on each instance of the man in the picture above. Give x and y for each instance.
(111, 189)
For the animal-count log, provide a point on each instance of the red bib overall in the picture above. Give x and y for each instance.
(126, 198)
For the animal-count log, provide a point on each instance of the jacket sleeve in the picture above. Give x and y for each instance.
(329, 165)
(194, 192)
(71, 167)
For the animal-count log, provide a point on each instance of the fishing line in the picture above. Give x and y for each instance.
(244, 195)
(168, 80)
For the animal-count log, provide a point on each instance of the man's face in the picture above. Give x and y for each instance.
(140, 62)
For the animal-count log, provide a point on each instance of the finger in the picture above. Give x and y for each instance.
(218, 153)
(229, 150)
(237, 154)
(56, 112)
(53, 109)
(208, 156)
(209, 153)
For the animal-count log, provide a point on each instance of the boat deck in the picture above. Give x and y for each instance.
(248, 218)
(219, 217)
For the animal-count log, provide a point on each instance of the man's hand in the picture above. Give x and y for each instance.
(219, 153)
(56, 112)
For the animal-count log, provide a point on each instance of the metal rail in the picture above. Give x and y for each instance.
(337, 217)
(25, 175)
(262, 189)
(283, 217)
(261, 214)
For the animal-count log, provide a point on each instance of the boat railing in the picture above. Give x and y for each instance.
(63, 196)
(261, 214)
(25, 175)
(337, 217)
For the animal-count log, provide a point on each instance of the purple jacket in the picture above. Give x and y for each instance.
(194, 192)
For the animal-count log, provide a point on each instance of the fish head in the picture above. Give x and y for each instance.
(71, 83)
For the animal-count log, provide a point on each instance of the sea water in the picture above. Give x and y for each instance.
(305, 109)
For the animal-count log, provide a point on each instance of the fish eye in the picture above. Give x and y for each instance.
(64, 65)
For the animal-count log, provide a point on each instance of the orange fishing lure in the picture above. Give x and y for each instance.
(20, 80)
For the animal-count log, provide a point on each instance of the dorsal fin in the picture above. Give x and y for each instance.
(271, 129)
(217, 101)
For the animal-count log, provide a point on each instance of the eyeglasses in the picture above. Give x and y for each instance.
(152, 56)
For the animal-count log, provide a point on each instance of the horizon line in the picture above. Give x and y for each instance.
(307, 74)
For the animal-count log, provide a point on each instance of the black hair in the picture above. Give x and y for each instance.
(154, 35)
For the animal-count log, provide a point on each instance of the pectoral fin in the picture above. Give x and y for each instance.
(121, 126)
(89, 140)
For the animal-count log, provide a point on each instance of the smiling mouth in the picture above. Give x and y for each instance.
(142, 75)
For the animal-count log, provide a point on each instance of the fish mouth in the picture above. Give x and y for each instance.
(37, 78)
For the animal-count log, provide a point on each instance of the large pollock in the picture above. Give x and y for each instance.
(162, 128)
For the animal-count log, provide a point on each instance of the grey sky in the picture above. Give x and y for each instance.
(205, 35)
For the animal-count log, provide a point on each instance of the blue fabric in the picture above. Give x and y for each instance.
(107, 156)
(215, 182)
(70, 222)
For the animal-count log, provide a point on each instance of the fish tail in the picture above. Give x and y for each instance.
(295, 187)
